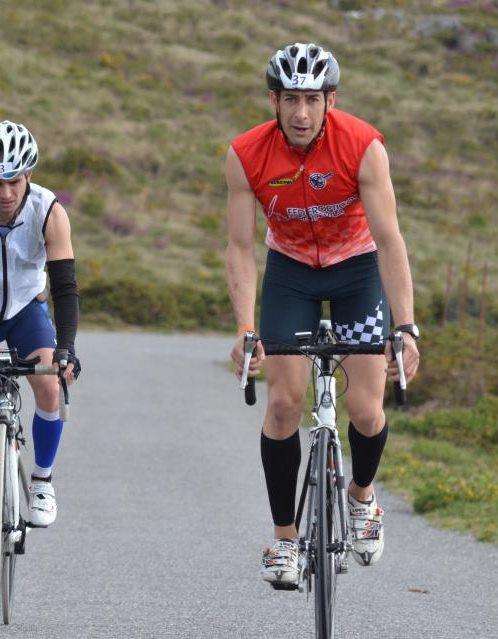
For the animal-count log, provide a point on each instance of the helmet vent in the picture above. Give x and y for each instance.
(286, 67)
(12, 145)
(319, 67)
(293, 51)
(302, 67)
(313, 52)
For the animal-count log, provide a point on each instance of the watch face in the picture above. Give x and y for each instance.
(415, 330)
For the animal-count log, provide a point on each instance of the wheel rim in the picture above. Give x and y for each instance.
(323, 559)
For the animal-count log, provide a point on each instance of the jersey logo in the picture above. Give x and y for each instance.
(286, 181)
(319, 180)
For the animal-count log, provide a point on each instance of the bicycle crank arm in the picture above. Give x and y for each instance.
(303, 574)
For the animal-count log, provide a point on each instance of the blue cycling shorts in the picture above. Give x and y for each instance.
(29, 330)
(293, 293)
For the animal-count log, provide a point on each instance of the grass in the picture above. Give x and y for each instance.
(444, 462)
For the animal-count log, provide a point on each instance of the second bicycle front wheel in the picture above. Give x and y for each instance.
(10, 519)
(322, 553)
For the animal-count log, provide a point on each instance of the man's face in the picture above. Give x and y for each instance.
(301, 114)
(11, 195)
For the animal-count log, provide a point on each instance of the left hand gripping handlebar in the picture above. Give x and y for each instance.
(249, 383)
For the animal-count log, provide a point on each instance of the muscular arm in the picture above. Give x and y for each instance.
(61, 271)
(58, 235)
(241, 260)
(377, 195)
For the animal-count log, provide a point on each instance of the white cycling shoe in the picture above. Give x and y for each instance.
(367, 531)
(42, 507)
(280, 563)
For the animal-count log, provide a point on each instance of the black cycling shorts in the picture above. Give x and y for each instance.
(293, 293)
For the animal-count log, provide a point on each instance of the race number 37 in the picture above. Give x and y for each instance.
(298, 79)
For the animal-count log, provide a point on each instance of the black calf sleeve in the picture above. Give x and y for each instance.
(281, 459)
(365, 454)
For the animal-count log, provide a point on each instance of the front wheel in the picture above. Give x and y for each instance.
(10, 520)
(323, 563)
(8, 571)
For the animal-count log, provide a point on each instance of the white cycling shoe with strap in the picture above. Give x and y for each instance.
(367, 530)
(280, 563)
(42, 506)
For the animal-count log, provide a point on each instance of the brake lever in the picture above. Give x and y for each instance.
(399, 387)
(250, 341)
(249, 383)
(64, 405)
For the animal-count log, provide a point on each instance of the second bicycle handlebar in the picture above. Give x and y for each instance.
(23, 368)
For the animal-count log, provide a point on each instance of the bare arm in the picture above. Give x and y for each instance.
(242, 273)
(241, 260)
(58, 235)
(377, 195)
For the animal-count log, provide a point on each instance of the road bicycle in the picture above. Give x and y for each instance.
(326, 540)
(14, 481)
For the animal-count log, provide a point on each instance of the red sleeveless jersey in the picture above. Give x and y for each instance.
(311, 200)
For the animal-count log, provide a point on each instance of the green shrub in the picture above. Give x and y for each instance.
(476, 426)
(78, 160)
(93, 205)
(451, 371)
(154, 303)
(436, 495)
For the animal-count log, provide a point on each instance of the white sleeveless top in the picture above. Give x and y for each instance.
(23, 255)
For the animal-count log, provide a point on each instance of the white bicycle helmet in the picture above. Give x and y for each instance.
(306, 67)
(18, 150)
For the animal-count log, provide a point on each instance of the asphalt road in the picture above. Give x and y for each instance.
(163, 515)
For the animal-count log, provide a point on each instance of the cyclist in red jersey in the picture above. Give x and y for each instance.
(322, 178)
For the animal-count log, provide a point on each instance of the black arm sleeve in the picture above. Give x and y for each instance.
(64, 291)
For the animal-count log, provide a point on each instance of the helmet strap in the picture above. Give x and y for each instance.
(279, 122)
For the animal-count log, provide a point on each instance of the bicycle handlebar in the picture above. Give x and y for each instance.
(22, 368)
(326, 349)
(323, 350)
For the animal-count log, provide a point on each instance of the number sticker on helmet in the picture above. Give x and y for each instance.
(298, 79)
(6, 167)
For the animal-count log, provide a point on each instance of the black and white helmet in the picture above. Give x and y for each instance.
(306, 67)
(18, 150)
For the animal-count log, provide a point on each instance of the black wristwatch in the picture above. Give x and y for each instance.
(411, 329)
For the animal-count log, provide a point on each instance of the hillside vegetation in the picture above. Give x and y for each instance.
(135, 102)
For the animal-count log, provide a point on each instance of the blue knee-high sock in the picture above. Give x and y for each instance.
(47, 430)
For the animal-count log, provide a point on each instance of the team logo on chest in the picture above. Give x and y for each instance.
(319, 180)
(286, 181)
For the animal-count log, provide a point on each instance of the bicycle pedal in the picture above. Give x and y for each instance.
(19, 548)
(278, 585)
(29, 524)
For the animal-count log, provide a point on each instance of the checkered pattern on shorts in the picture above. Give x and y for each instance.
(369, 331)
